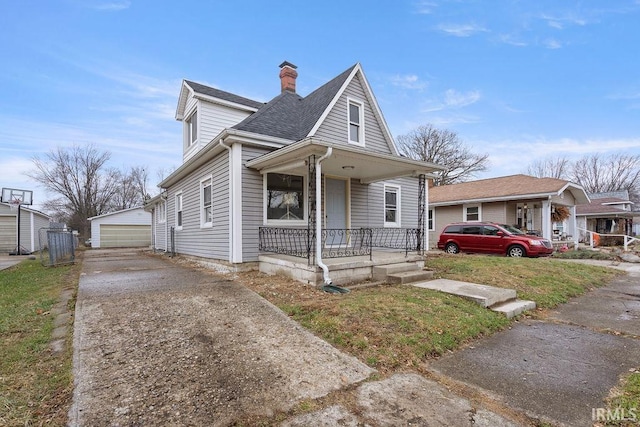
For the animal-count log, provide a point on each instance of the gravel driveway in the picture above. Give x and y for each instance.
(159, 344)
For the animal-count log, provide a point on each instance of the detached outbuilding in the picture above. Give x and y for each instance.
(31, 221)
(128, 228)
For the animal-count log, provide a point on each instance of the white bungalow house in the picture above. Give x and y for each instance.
(291, 183)
(527, 202)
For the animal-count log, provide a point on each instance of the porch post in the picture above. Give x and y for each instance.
(311, 209)
(573, 225)
(547, 231)
(422, 202)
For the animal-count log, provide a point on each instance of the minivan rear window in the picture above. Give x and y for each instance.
(453, 229)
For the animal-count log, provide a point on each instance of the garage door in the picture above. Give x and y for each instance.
(7, 234)
(124, 236)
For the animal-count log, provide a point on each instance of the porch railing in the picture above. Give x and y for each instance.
(592, 238)
(336, 243)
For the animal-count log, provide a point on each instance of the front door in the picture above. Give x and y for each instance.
(335, 203)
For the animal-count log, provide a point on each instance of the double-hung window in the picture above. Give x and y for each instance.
(284, 197)
(471, 212)
(430, 223)
(355, 115)
(206, 210)
(391, 206)
(179, 211)
(192, 128)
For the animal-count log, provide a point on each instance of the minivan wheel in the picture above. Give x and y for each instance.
(451, 248)
(516, 251)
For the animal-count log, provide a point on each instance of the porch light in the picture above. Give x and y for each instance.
(349, 167)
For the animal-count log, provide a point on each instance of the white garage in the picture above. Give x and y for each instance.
(129, 228)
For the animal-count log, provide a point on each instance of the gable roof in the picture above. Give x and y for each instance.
(503, 188)
(116, 212)
(605, 206)
(291, 116)
(213, 95)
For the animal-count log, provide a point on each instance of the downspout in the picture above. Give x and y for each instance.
(322, 265)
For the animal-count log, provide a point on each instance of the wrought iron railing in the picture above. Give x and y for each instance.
(336, 243)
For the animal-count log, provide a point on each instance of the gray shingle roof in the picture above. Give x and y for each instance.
(220, 94)
(291, 116)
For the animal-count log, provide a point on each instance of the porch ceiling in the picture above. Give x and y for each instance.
(345, 161)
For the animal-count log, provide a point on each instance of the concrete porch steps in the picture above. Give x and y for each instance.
(408, 277)
(497, 299)
(401, 273)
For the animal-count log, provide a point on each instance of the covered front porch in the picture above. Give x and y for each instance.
(325, 202)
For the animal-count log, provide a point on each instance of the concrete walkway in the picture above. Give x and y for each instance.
(7, 261)
(560, 369)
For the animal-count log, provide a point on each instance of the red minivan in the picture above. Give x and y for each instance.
(489, 237)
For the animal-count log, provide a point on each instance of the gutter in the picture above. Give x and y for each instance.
(322, 265)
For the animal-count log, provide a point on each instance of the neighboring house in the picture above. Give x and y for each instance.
(269, 177)
(128, 228)
(607, 213)
(31, 221)
(524, 201)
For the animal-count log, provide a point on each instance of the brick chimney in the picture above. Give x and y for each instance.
(288, 76)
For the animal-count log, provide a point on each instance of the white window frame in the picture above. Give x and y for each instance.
(305, 196)
(396, 189)
(179, 208)
(431, 219)
(189, 128)
(162, 212)
(465, 209)
(203, 219)
(360, 105)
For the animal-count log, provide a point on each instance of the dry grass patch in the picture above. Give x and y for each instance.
(388, 327)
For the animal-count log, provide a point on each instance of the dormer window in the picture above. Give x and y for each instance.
(355, 114)
(192, 128)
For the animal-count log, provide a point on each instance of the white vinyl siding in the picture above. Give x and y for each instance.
(192, 239)
(333, 128)
(212, 119)
(161, 212)
(252, 204)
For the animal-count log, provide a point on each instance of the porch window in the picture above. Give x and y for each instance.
(391, 206)
(179, 211)
(206, 213)
(472, 212)
(356, 122)
(430, 223)
(162, 212)
(285, 199)
(191, 127)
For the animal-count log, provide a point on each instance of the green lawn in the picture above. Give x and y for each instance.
(35, 385)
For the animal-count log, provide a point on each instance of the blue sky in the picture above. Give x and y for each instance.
(519, 80)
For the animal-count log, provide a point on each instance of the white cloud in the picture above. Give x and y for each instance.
(560, 23)
(461, 30)
(512, 40)
(425, 7)
(552, 44)
(455, 99)
(112, 6)
(408, 81)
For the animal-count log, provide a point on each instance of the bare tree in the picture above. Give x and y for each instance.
(132, 189)
(599, 174)
(559, 168)
(444, 147)
(82, 183)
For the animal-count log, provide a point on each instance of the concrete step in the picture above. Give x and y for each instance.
(514, 308)
(486, 296)
(406, 277)
(380, 272)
